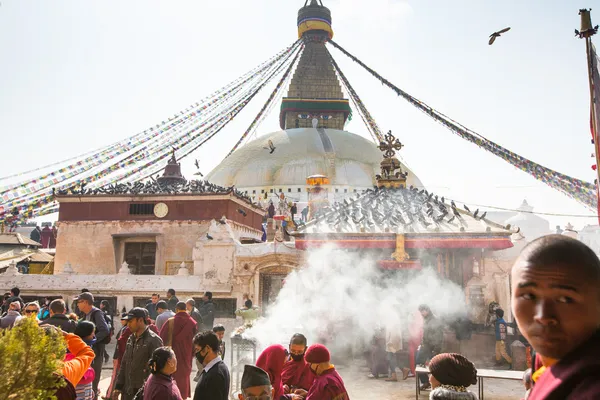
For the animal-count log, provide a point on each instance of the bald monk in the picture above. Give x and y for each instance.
(556, 302)
(328, 384)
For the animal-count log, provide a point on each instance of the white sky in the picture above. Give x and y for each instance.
(77, 75)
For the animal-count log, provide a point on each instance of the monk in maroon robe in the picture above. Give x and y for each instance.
(46, 235)
(271, 360)
(328, 384)
(178, 332)
(556, 302)
(296, 372)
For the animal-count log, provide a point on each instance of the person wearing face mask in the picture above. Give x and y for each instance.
(160, 384)
(556, 302)
(296, 374)
(328, 384)
(84, 390)
(256, 385)
(214, 378)
(271, 360)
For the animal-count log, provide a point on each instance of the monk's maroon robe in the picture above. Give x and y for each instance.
(297, 375)
(576, 376)
(184, 329)
(328, 386)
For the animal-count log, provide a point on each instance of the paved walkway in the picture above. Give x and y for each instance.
(362, 388)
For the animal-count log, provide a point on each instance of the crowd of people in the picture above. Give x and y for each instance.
(555, 300)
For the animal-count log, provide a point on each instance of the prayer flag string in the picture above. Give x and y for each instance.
(581, 191)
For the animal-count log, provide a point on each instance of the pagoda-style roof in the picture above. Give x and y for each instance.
(427, 221)
(155, 187)
(14, 238)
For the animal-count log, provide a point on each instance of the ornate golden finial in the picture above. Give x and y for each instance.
(390, 145)
(392, 175)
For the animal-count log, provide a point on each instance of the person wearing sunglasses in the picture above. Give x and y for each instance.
(256, 385)
(32, 310)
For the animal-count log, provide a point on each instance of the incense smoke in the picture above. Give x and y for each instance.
(342, 298)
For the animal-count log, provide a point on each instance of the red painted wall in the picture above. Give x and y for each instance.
(179, 210)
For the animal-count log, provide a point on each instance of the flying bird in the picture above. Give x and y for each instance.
(271, 147)
(197, 164)
(495, 35)
(199, 173)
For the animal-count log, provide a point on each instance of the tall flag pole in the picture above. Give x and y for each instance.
(587, 31)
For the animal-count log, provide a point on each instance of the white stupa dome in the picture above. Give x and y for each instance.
(349, 160)
(532, 226)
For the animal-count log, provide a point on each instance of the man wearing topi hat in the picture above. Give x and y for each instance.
(451, 375)
(256, 384)
(328, 384)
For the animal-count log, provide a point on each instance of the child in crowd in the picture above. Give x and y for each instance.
(501, 330)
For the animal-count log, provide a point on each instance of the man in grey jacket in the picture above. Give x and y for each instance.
(85, 303)
(207, 312)
(134, 365)
(13, 315)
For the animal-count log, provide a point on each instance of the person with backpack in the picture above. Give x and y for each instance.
(85, 303)
(105, 307)
(44, 313)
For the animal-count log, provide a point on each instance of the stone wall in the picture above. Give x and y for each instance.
(96, 247)
(124, 287)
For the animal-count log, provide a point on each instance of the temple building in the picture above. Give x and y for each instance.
(127, 241)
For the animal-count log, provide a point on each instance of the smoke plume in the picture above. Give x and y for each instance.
(342, 298)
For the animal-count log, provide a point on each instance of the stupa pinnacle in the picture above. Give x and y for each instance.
(314, 92)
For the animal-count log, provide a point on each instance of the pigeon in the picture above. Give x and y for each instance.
(495, 35)
(452, 204)
(271, 147)
(197, 164)
(242, 212)
(467, 208)
(451, 219)
(222, 221)
(483, 215)
(199, 174)
(209, 237)
(476, 213)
